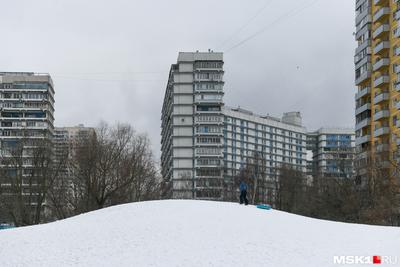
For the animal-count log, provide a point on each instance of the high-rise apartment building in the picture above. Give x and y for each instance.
(332, 152)
(192, 126)
(376, 76)
(27, 119)
(204, 144)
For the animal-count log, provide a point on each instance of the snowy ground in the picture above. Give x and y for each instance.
(192, 233)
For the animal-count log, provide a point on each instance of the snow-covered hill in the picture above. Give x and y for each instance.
(192, 233)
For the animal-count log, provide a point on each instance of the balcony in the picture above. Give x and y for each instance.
(360, 2)
(362, 31)
(381, 97)
(396, 86)
(364, 123)
(363, 108)
(361, 61)
(397, 15)
(385, 164)
(396, 32)
(362, 92)
(364, 76)
(363, 139)
(381, 131)
(381, 46)
(380, 63)
(362, 46)
(384, 28)
(383, 79)
(396, 68)
(363, 22)
(382, 147)
(362, 155)
(384, 113)
(381, 13)
(208, 101)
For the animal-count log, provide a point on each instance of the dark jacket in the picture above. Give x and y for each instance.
(242, 186)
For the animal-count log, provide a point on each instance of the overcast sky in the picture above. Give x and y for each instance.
(110, 59)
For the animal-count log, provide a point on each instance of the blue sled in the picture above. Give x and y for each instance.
(264, 206)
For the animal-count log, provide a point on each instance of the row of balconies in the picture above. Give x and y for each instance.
(363, 14)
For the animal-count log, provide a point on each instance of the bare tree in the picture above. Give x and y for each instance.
(113, 166)
(27, 173)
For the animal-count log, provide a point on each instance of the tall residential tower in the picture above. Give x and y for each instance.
(192, 128)
(376, 77)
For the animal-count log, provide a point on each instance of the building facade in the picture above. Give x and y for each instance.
(27, 120)
(332, 152)
(205, 144)
(277, 141)
(192, 126)
(377, 79)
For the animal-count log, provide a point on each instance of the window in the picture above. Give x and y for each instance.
(209, 129)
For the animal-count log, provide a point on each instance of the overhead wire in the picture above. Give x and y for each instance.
(240, 29)
(289, 14)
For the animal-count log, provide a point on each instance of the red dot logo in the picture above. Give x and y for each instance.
(376, 259)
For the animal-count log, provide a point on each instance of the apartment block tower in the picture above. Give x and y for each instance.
(332, 152)
(192, 126)
(377, 78)
(204, 144)
(26, 116)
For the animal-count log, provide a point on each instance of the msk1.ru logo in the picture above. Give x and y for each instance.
(359, 260)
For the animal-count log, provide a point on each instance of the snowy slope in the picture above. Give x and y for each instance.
(192, 233)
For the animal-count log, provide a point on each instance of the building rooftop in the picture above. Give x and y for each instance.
(266, 117)
(194, 56)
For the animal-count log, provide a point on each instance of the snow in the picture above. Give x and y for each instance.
(192, 233)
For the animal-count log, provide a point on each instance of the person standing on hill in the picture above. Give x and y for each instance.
(243, 193)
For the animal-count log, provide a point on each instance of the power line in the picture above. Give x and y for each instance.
(108, 73)
(244, 25)
(105, 80)
(289, 14)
